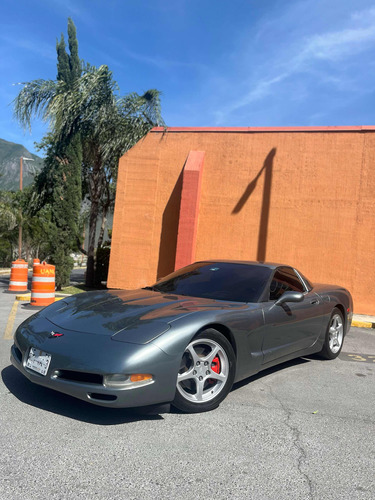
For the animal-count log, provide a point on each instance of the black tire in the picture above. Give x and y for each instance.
(208, 368)
(335, 329)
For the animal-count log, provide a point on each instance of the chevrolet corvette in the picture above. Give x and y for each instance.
(184, 340)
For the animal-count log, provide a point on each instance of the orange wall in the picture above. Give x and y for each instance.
(312, 205)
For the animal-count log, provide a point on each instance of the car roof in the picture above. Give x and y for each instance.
(269, 265)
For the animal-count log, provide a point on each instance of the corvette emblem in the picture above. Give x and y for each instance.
(55, 334)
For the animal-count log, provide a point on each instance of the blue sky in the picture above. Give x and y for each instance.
(217, 62)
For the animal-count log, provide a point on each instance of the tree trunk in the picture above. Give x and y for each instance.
(27, 250)
(95, 188)
(83, 238)
(90, 270)
(102, 227)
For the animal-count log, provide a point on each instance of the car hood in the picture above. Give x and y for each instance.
(109, 312)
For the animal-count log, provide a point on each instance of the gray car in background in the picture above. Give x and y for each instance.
(184, 340)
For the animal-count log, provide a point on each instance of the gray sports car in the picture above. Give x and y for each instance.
(184, 340)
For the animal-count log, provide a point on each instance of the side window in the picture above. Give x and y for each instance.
(285, 280)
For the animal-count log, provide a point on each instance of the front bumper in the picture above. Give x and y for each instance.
(104, 357)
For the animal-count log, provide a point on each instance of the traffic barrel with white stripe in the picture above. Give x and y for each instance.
(18, 276)
(43, 285)
(36, 261)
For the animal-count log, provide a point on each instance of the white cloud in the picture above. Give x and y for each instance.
(71, 8)
(324, 55)
(161, 63)
(38, 48)
(340, 44)
(363, 15)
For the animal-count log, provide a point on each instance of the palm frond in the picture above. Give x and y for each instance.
(34, 100)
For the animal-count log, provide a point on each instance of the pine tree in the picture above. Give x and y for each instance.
(74, 61)
(64, 162)
(63, 70)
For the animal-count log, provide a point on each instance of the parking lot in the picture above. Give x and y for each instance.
(302, 430)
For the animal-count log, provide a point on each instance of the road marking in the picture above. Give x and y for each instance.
(12, 317)
(359, 358)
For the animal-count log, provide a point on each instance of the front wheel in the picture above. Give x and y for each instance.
(334, 336)
(206, 373)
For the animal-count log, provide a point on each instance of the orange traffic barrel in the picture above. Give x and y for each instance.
(36, 261)
(43, 285)
(18, 276)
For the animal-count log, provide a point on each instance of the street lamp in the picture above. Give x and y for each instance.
(20, 226)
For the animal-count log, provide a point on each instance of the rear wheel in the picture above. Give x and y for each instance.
(206, 373)
(334, 336)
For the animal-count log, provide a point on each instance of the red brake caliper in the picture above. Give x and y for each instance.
(215, 365)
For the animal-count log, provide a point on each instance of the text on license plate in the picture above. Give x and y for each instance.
(38, 361)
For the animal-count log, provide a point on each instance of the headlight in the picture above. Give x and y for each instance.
(121, 381)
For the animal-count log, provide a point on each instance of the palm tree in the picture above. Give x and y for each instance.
(107, 123)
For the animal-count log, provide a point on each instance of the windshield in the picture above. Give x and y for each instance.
(217, 280)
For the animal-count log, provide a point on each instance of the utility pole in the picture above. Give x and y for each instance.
(20, 226)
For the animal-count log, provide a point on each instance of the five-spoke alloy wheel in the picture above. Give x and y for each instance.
(334, 335)
(206, 373)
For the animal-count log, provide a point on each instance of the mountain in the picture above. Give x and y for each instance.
(10, 154)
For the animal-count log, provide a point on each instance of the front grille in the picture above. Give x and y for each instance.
(87, 378)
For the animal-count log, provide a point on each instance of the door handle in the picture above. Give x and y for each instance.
(314, 301)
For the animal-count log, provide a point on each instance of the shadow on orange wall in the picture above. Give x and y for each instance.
(169, 231)
(266, 202)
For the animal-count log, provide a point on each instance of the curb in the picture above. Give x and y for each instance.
(363, 324)
(27, 297)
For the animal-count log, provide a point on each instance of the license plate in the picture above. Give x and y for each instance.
(38, 361)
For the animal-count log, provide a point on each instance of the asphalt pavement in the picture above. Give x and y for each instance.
(302, 430)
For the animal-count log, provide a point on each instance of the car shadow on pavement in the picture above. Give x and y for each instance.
(62, 404)
(270, 371)
(263, 374)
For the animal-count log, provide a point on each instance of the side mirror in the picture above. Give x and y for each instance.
(290, 297)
